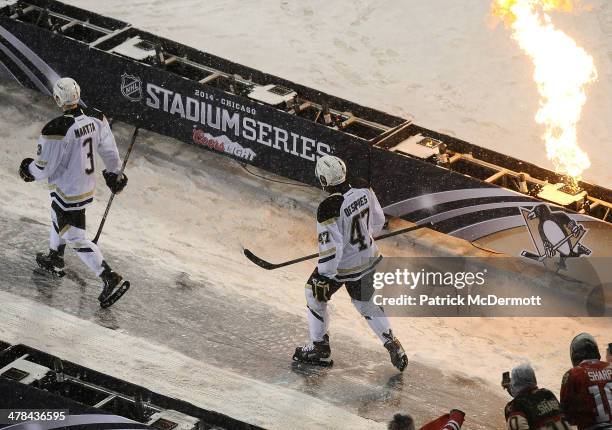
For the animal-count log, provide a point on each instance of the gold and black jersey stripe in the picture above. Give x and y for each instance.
(70, 202)
(327, 255)
(358, 272)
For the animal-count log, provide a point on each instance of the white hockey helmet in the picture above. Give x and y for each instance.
(66, 92)
(330, 170)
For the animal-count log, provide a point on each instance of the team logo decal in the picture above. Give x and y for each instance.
(131, 87)
(553, 234)
(324, 237)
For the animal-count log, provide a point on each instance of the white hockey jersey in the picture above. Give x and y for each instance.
(66, 156)
(346, 223)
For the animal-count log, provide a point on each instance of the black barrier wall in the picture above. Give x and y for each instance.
(76, 389)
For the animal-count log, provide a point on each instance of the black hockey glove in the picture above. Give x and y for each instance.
(113, 182)
(24, 172)
(320, 287)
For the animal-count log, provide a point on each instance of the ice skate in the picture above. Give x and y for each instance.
(318, 353)
(114, 287)
(396, 351)
(52, 263)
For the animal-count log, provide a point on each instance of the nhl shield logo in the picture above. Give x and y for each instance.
(131, 87)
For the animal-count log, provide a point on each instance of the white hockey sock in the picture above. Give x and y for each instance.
(55, 241)
(375, 316)
(87, 251)
(318, 320)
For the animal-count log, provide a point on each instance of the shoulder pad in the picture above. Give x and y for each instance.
(543, 391)
(92, 112)
(546, 393)
(330, 208)
(566, 377)
(57, 128)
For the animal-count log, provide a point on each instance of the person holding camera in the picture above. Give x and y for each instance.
(531, 408)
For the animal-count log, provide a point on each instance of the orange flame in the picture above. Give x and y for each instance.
(562, 70)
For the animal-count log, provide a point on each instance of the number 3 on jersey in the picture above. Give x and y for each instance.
(357, 236)
(89, 144)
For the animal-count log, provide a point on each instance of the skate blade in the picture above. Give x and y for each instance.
(119, 292)
(55, 273)
(320, 363)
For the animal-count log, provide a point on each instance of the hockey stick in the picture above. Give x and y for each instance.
(112, 197)
(271, 266)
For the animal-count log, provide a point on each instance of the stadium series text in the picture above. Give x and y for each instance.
(221, 119)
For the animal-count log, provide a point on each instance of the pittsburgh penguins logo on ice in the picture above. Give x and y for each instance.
(553, 233)
(131, 87)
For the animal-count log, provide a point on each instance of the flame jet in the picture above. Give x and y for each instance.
(562, 71)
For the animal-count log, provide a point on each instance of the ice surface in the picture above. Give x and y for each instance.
(164, 370)
(177, 232)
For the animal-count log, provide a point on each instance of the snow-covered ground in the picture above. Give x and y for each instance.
(440, 61)
(191, 380)
(187, 212)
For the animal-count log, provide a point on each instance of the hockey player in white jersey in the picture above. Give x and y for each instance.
(66, 160)
(346, 222)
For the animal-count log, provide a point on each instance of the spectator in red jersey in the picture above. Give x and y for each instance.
(450, 421)
(586, 390)
(532, 408)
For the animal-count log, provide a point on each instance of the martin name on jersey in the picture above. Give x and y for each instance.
(65, 156)
(346, 222)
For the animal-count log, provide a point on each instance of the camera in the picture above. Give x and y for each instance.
(505, 383)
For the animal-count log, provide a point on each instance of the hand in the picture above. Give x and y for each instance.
(24, 170)
(320, 287)
(113, 182)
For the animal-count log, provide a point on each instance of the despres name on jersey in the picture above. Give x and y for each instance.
(354, 207)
